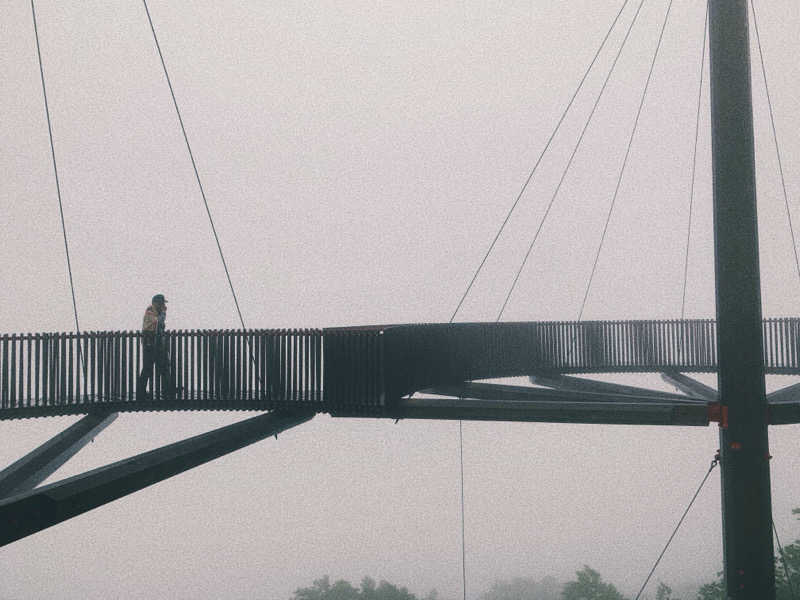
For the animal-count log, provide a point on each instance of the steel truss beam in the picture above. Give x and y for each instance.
(790, 393)
(494, 402)
(565, 382)
(497, 391)
(32, 511)
(690, 386)
(36, 466)
(784, 405)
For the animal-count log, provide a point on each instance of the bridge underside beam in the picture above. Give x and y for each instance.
(784, 413)
(493, 402)
(551, 412)
(43, 507)
(566, 382)
(36, 466)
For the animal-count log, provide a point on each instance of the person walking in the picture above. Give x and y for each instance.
(154, 346)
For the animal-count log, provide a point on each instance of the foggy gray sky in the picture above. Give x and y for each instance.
(358, 158)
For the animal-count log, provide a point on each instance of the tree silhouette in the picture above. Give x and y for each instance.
(590, 586)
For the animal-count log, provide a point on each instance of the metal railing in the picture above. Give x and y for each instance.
(346, 370)
(419, 356)
(209, 368)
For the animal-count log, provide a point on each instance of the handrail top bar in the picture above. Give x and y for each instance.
(370, 328)
(138, 333)
(584, 322)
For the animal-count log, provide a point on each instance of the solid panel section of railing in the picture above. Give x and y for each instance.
(352, 369)
(419, 356)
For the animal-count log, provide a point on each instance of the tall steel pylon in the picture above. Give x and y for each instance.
(749, 564)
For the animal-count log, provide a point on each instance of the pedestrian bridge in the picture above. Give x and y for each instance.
(370, 370)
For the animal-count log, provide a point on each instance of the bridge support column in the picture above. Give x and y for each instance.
(746, 503)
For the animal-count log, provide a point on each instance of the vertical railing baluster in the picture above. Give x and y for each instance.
(60, 368)
(238, 336)
(259, 392)
(46, 398)
(308, 364)
(252, 365)
(227, 364)
(177, 340)
(12, 380)
(226, 344)
(318, 366)
(243, 360)
(80, 366)
(70, 368)
(194, 374)
(276, 388)
(784, 343)
(5, 391)
(700, 330)
(28, 339)
(21, 372)
(185, 360)
(38, 368)
(291, 363)
(655, 358)
(711, 341)
(244, 370)
(271, 360)
(202, 359)
(776, 326)
(233, 369)
(133, 365)
(301, 365)
(285, 368)
(92, 366)
(103, 348)
(206, 350)
(776, 342)
(227, 383)
(219, 375)
(52, 359)
(98, 364)
(122, 367)
(111, 360)
(137, 338)
(298, 350)
(768, 350)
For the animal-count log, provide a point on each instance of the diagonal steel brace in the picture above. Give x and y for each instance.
(36, 466)
(37, 509)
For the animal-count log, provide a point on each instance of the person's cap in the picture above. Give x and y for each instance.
(159, 298)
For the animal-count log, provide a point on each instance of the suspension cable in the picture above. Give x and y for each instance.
(463, 528)
(489, 251)
(625, 160)
(714, 463)
(538, 160)
(569, 162)
(194, 165)
(58, 185)
(775, 138)
(508, 216)
(694, 164)
(783, 562)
